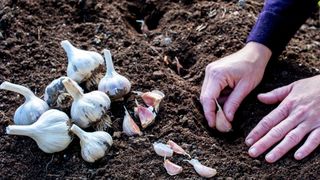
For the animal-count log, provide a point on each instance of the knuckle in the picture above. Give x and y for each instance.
(293, 138)
(276, 133)
(283, 112)
(265, 125)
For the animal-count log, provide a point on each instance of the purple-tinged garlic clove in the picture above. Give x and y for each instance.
(202, 170)
(172, 169)
(152, 98)
(222, 124)
(130, 128)
(177, 149)
(162, 149)
(146, 115)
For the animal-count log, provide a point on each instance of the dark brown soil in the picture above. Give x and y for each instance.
(30, 55)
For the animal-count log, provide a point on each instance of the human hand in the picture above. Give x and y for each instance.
(241, 71)
(296, 116)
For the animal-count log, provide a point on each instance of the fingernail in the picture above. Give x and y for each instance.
(253, 152)
(249, 141)
(299, 156)
(270, 157)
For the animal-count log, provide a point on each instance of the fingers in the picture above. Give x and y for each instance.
(290, 140)
(276, 134)
(276, 95)
(310, 145)
(267, 123)
(236, 97)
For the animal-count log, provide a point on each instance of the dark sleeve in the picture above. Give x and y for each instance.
(279, 21)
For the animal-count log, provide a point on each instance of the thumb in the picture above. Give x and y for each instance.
(233, 102)
(275, 95)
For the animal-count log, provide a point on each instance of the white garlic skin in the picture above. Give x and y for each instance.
(129, 127)
(162, 149)
(94, 145)
(51, 131)
(53, 91)
(89, 108)
(171, 168)
(81, 63)
(113, 84)
(202, 170)
(31, 109)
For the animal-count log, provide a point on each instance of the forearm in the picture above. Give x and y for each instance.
(279, 21)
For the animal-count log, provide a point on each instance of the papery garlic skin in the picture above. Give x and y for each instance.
(130, 128)
(31, 109)
(202, 170)
(113, 84)
(83, 65)
(222, 124)
(171, 168)
(146, 115)
(162, 149)
(88, 109)
(94, 145)
(177, 149)
(50, 131)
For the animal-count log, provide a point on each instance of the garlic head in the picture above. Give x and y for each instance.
(171, 168)
(202, 170)
(50, 131)
(94, 145)
(113, 84)
(129, 127)
(162, 149)
(31, 109)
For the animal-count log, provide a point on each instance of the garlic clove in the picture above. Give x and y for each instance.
(152, 98)
(50, 131)
(88, 109)
(113, 84)
(177, 149)
(94, 145)
(31, 109)
(146, 115)
(202, 170)
(83, 66)
(129, 127)
(172, 169)
(162, 149)
(222, 124)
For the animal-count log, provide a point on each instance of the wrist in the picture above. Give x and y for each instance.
(257, 53)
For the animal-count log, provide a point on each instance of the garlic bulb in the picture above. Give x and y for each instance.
(172, 169)
(177, 149)
(146, 115)
(31, 109)
(56, 94)
(88, 109)
(94, 145)
(114, 84)
(50, 131)
(84, 66)
(162, 149)
(129, 127)
(222, 124)
(202, 170)
(152, 98)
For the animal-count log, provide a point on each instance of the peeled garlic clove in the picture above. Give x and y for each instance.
(146, 115)
(129, 127)
(222, 124)
(31, 109)
(152, 98)
(162, 149)
(88, 109)
(202, 170)
(172, 169)
(50, 131)
(177, 149)
(83, 66)
(94, 145)
(113, 84)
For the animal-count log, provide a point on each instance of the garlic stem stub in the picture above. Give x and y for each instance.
(202, 170)
(162, 149)
(113, 84)
(50, 131)
(88, 109)
(130, 128)
(31, 109)
(171, 168)
(84, 66)
(94, 145)
(146, 115)
(177, 149)
(222, 124)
